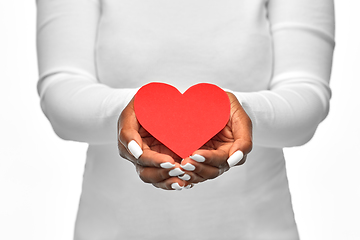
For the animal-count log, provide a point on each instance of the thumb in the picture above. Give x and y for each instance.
(133, 146)
(241, 127)
(128, 131)
(238, 153)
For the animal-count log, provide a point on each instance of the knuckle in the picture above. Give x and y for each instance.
(203, 174)
(125, 135)
(139, 162)
(140, 171)
(144, 179)
(156, 185)
(249, 145)
(215, 174)
(164, 174)
(163, 185)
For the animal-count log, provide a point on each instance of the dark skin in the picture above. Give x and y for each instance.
(236, 135)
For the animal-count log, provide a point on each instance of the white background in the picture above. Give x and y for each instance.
(40, 174)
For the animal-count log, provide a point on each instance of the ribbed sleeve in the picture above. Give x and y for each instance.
(77, 105)
(298, 97)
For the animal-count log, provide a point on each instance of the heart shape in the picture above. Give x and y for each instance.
(182, 122)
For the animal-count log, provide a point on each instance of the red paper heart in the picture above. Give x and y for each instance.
(182, 122)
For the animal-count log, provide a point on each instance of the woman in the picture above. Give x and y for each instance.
(272, 57)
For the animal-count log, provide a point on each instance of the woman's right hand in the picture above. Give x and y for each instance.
(154, 162)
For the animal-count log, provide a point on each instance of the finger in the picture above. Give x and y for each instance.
(203, 171)
(241, 127)
(242, 145)
(191, 178)
(146, 157)
(237, 158)
(151, 158)
(215, 158)
(156, 175)
(173, 183)
(124, 153)
(128, 131)
(188, 186)
(131, 140)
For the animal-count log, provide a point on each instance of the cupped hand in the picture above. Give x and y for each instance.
(154, 162)
(227, 149)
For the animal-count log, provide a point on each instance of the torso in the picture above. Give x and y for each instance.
(183, 43)
(227, 43)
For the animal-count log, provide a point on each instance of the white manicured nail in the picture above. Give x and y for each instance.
(235, 158)
(185, 177)
(176, 186)
(198, 158)
(167, 165)
(188, 186)
(135, 149)
(188, 167)
(176, 172)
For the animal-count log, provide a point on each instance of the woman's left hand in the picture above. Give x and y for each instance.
(226, 149)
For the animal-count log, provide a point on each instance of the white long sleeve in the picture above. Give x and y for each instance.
(298, 97)
(77, 105)
(81, 107)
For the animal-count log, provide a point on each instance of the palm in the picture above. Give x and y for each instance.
(151, 143)
(221, 141)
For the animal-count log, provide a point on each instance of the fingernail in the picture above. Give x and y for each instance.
(176, 172)
(188, 186)
(135, 149)
(176, 186)
(167, 165)
(185, 177)
(235, 158)
(188, 167)
(198, 158)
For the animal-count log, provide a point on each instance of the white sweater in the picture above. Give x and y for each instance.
(274, 55)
